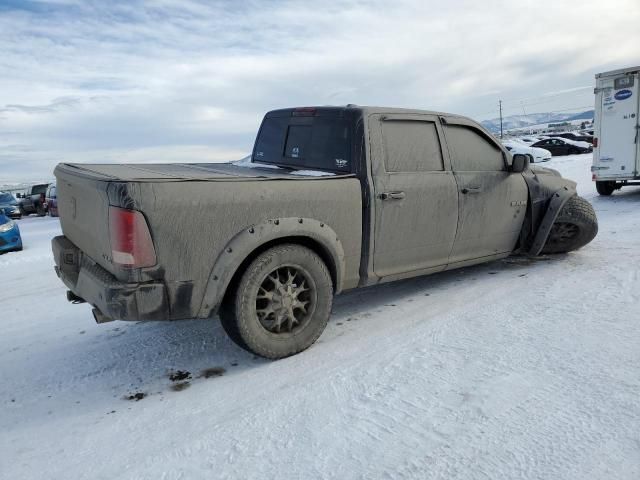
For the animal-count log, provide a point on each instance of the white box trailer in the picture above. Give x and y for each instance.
(616, 147)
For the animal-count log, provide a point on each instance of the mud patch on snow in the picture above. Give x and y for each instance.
(136, 397)
(179, 375)
(212, 372)
(180, 386)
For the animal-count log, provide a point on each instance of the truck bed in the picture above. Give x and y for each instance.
(193, 210)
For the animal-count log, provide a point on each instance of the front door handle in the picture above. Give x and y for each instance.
(471, 190)
(392, 196)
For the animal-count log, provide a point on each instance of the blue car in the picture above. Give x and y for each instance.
(9, 206)
(9, 234)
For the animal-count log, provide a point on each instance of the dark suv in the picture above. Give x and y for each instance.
(51, 201)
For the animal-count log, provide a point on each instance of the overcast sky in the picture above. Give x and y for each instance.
(178, 80)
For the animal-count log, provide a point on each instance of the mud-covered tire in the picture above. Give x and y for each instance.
(575, 226)
(239, 313)
(605, 188)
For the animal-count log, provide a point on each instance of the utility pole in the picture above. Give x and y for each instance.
(500, 105)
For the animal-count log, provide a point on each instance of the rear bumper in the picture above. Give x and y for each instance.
(115, 300)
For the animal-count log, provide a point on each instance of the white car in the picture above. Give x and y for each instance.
(526, 140)
(536, 154)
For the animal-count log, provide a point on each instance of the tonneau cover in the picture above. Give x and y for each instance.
(171, 172)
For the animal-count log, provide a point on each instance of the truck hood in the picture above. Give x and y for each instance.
(544, 171)
(172, 172)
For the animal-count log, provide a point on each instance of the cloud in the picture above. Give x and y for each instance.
(89, 80)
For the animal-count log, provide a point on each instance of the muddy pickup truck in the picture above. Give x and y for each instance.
(331, 199)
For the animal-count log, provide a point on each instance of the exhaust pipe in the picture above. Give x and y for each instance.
(100, 317)
(73, 298)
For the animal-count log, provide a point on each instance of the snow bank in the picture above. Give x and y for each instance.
(516, 369)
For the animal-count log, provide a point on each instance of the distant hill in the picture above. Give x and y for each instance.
(520, 121)
(588, 115)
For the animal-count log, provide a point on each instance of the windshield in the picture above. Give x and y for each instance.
(321, 143)
(7, 198)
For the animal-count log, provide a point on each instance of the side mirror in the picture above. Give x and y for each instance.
(18, 195)
(520, 163)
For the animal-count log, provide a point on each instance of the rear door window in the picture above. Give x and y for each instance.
(471, 151)
(411, 146)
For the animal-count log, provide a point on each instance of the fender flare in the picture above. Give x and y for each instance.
(559, 198)
(251, 238)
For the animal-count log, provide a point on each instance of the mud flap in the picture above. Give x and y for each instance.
(556, 203)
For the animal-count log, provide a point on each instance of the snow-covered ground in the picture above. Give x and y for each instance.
(516, 369)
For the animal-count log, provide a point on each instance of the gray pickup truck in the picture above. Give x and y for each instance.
(331, 199)
(33, 200)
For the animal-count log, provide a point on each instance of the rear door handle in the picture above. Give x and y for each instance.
(392, 196)
(471, 190)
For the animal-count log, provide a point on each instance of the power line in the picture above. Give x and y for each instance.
(544, 98)
(529, 102)
(532, 113)
(500, 105)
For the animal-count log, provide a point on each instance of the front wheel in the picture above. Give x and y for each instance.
(282, 303)
(41, 211)
(575, 226)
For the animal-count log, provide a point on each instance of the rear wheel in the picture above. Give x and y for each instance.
(41, 211)
(575, 226)
(281, 304)
(605, 188)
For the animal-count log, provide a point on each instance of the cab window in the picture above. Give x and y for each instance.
(471, 151)
(411, 146)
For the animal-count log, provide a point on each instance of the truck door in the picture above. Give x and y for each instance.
(617, 151)
(416, 199)
(492, 200)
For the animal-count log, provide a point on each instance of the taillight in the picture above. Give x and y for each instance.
(595, 142)
(304, 112)
(131, 244)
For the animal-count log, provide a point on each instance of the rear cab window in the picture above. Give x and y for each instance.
(310, 139)
(39, 189)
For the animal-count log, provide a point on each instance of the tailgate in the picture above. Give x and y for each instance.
(83, 207)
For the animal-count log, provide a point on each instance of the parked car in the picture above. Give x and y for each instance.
(10, 239)
(575, 136)
(51, 201)
(318, 211)
(536, 155)
(527, 140)
(9, 206)
(563, 146)
(33, 200)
